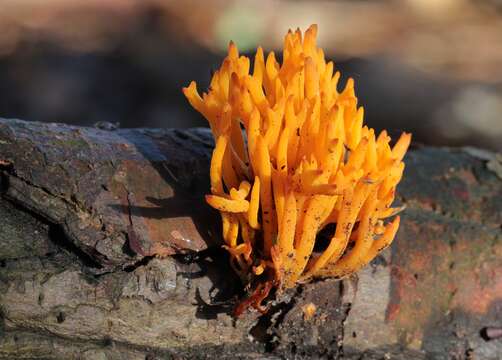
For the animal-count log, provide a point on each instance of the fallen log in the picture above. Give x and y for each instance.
(107, 250)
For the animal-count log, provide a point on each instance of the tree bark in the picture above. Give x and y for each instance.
(108, 251)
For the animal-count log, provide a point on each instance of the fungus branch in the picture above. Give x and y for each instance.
(305, 161)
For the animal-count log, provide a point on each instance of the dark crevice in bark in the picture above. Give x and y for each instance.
(265, 330)
(58, 237)
(143, 262)
(56, 234)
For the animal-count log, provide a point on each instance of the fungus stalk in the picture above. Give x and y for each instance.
(304, 161)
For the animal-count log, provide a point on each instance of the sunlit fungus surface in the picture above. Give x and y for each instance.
(293, 157)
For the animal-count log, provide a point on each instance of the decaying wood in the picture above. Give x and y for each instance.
(107, 251)
(111, 189)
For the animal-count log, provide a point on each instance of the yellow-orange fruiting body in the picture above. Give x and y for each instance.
(306, 160)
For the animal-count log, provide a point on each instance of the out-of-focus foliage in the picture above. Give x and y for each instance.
(427, 66)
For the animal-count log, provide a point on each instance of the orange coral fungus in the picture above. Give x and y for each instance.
(305, 161)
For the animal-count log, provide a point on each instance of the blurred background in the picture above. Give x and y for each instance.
(433, 67)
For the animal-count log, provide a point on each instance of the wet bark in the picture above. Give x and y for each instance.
(107, 251)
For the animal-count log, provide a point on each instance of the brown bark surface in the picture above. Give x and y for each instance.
(108, 251)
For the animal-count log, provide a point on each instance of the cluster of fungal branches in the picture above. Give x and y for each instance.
(304, 160)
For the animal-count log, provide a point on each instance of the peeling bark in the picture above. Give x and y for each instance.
(107, 251)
